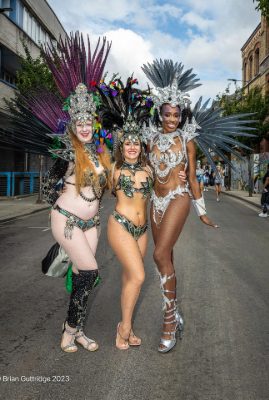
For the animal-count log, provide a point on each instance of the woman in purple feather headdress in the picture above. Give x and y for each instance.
(83, 171)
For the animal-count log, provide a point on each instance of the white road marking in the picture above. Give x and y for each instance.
(44, 229)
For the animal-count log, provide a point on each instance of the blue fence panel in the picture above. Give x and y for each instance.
(5, 183)
(18, 183)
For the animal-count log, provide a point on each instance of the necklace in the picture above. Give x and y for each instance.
(165, 140)
(91, 150)
(133, 168)
(88, 199)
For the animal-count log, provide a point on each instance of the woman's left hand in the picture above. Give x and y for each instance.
(207, 221)
(182, 176)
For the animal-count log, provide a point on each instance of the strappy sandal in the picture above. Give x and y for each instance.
(136, 338)
(124, 346)
(89, 342)
(70, 347)
(171, 316)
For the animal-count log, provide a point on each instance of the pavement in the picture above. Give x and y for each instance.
(19, 206)
(223, 293)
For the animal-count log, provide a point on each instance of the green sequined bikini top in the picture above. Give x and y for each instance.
(126, 184)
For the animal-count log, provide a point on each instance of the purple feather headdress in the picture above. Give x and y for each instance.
(71, 64)
(47, 107)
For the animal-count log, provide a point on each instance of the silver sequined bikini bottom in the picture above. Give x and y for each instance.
(160, 204)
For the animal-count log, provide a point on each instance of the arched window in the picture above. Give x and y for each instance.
(250, 67)
(256, 61)
(245, 72)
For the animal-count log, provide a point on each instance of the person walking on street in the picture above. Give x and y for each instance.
(218, 181)
(265, 195)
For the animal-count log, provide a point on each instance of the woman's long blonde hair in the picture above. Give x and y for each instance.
(83, 164)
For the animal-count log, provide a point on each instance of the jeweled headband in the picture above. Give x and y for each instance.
(82, 106)
(131, 130)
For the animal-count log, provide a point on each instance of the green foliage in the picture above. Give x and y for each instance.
(263, 7)
(33, 74)
(252, 102)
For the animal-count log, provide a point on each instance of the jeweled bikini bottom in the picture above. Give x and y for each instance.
(73, 220)
(135, 230)
(160, 204)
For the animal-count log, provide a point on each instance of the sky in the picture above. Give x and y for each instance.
(205, 35)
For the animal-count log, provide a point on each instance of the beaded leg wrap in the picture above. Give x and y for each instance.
(82, 283)
(171, 315)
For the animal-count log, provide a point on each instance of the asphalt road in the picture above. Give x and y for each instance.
(224, 294)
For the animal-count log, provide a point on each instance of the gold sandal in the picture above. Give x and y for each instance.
(124, 346)
(90, 342)
(70, 347)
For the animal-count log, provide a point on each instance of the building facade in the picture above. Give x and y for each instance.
(35, 23)
(255, 64)
(255, 58)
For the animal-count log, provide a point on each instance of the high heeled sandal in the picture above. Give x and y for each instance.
(90, 342)
(124, 346)
(167, 344)
(132, 335)
(70, 347)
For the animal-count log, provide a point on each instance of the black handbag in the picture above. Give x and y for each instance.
(56, 262)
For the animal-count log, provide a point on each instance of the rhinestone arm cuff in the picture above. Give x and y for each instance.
(199, 206)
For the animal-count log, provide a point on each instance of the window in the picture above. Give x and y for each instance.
(23, 18)
(10, 63)
(32, 27)
(257, 61)
(245, 72)
(250, 67)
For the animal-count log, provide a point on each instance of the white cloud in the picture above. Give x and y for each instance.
(207, 35)
(199, 22)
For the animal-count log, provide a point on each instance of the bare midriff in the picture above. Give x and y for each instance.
(134, 208)
(71, 201)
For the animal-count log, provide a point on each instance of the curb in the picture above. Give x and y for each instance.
(19, 196)
(242, 199)
(24, 215)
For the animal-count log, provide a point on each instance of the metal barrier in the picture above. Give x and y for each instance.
(18, 183)
(5, 183)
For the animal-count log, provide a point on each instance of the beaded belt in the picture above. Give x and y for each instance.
(73, 220)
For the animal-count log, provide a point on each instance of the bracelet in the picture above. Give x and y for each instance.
(199, 206)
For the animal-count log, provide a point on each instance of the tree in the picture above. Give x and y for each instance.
(33, 74)
(252, 102)
(263, 7)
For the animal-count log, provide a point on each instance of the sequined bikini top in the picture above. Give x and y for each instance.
(168, 158)
(126, 184)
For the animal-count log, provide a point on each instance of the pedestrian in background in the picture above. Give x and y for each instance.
(265, 195)
(206, 178)
(218, 180)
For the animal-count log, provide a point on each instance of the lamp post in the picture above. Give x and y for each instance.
(239, 80)
(248, 155)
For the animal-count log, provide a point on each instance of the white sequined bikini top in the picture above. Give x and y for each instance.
(168, 158)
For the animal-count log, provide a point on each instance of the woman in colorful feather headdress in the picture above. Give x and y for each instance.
(124, 110)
